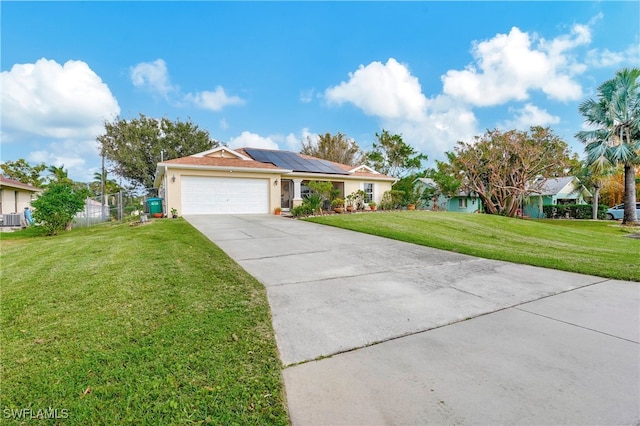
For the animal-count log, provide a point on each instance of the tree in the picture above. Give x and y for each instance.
(58, 175)
(55, 208)
(337, 148)
(24, 172)
(616, 139)
(612, 189)
(505, 167)
(134, 147)
(446, 179)
(392, 156)
(324, 190)
(592, 177)
(412, 193)
(110, 185)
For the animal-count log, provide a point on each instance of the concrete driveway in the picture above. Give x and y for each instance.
(375, 331)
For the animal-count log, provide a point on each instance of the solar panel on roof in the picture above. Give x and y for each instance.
(293, 161)
(258, 155)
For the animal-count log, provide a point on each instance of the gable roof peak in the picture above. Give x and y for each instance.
(364, 167)
(222, 152)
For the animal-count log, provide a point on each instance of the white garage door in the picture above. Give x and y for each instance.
(209, 195)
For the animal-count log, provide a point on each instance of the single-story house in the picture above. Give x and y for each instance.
(555, 191)
(14, 197)
(251, 180)
(464, 202)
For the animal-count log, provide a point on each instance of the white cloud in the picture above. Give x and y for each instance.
(289, 142)
(224, 124)
(529, 115)
(383, 90)
(293, 142)
(509, 66)
(55, 101)
(57, 109)
(445, 123)
(607, 59)
(214, 101)
(70, 162)
(252, 140)
(75, 155)
(391, 93)
(153, 76)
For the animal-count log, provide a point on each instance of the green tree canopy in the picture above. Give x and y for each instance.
(57, 206)
(445, 177)
(394, 157)
(411, 192)
(337, 148)
(616, 137)
(134, 147)
(504, 167)
(24, 172)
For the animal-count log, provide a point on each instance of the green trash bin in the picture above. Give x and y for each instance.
(155, 207)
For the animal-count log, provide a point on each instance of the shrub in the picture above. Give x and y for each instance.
(301, 210)
(391, 199)
(356, 199)
(337, 202)
(573, 211)
(411, 192)
(57, 206)
(314, 202)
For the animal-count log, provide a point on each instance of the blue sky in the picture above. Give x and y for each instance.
(271, 74)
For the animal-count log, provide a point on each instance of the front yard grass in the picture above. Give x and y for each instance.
(150, 324)
(600, 248)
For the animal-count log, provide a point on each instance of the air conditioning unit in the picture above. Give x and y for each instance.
(11, 219)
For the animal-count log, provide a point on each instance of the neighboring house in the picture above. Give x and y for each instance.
(14, 197)
(555, 191)
(250, 180)
(465, 202)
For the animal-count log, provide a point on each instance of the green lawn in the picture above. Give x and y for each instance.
(599, 248)
(149, 324)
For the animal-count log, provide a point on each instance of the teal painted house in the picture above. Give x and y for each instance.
(463, 202)
(555, 191)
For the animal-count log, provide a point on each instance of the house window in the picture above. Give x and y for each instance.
(305, 191)
(462, 203)
(368, 191)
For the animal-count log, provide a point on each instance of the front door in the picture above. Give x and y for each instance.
(286, 194)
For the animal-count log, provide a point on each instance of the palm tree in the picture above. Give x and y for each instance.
(616, 139)
(110, 185)
(58, 175)
(595, 178)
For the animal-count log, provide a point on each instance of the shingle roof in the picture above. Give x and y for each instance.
(199, 160)
(221, 162)
(553, 186)
(5, 181)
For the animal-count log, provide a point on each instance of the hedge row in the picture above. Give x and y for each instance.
(573, 211)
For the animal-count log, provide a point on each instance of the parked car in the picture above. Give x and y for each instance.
(617, 212)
